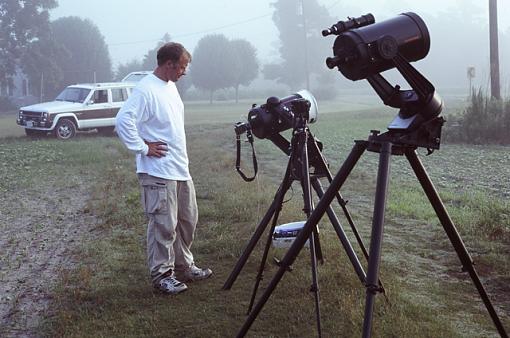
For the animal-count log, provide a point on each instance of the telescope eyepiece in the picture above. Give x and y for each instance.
(343, 26)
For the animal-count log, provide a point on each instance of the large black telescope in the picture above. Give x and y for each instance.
(363, 49)
(369, 48)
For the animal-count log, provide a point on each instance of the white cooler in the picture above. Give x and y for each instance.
(285, 234)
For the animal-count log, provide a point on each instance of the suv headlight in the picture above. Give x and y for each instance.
(20, 114)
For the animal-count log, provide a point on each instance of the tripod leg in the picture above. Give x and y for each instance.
(374, 257)
(341, 234)
(453, 235)
(285, 186)
(277, 201)
(315, 251)
(346, 168)
(315, 281)
(322, 166)
(347, 215)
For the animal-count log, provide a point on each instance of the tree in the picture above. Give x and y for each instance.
(87, 58)
(74, 51)
(22, 22)
(126, 68)
(211, 67)
(246, 65)
(303, 49)
(40, 65)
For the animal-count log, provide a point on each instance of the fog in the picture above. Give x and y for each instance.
(131, 28)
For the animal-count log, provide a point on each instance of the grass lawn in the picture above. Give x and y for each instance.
(109, 293)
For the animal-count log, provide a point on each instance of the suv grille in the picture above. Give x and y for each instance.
(30, 115)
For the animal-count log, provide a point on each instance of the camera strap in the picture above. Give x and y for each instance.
(238, 160)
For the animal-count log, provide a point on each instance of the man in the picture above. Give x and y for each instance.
(151, 124)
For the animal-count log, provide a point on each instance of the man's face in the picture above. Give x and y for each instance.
(176, 70)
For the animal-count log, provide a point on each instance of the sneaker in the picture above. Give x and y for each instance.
(170, 285)
(194, 273)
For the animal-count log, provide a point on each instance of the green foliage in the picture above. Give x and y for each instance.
(74, 52)
(128, 67)
(220, 63)
(41, 66)
(481, 215)
(246, 66)
(485, 120)
(212, 62)
(87, 56)
(21, 23)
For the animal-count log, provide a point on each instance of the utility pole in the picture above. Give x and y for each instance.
(471, 74)
(42, 85)
(305, 45)
(494, 50)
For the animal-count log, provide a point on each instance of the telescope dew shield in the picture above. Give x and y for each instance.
(361, 52)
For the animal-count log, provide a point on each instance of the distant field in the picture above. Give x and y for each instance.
(200, 112)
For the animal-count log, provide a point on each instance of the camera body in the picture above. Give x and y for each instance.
(278, 115)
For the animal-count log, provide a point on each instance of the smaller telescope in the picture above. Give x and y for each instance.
(268, 120)
(278, 115)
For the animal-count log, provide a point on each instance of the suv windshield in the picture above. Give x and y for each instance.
(73, 94)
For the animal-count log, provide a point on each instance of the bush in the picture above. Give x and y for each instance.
(485, 120)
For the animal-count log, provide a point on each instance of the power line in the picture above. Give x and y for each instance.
(207, 30)
(195, 33)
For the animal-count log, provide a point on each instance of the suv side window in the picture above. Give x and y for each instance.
(119, 94)
(100, 96)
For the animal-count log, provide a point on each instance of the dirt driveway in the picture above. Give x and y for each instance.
(40, 228)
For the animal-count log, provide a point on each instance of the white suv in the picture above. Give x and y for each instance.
(78, 107)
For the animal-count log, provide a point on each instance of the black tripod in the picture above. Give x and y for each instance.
(305, 153)
(390, 143)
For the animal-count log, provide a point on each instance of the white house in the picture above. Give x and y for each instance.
(17, 91)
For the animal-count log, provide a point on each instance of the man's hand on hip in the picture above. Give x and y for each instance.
(156, 149)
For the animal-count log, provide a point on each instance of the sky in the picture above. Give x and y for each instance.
(132, 27)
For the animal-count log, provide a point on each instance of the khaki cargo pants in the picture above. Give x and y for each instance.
(171, 208)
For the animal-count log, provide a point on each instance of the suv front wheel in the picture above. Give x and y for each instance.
(65, 129)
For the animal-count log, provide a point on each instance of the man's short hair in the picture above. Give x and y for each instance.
(171, 51)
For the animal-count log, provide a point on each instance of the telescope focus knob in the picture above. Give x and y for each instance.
(332, 62)
(387, 47)
(272, 102)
